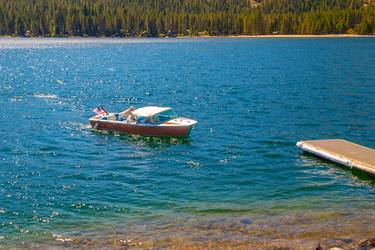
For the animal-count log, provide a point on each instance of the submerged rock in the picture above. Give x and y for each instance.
(246, 221)
(368, 244)
(336, 244)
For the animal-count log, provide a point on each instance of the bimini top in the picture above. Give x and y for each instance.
(150, 111)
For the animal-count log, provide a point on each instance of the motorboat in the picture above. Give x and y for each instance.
(146, 121)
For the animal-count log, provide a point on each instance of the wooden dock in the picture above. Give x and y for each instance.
(342, 152)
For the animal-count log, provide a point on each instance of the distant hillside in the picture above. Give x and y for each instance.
(185, 17)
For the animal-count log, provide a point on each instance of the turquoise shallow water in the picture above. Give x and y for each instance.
(253, 99)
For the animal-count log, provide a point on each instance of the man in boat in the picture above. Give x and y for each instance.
(125, 114)
(131, 119)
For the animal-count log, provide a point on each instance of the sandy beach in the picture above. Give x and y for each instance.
(299, 231)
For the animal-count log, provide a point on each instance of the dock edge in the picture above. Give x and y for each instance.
(334, 157)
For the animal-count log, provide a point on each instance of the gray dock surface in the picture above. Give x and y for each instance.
(343, 152)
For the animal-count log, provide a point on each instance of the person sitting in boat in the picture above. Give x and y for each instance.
(125, 114)
(131, 119)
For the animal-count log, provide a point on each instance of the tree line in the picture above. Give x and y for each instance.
(185, 17)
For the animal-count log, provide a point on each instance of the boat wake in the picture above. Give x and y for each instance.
(149, 140)
(45, 96)
(85, 127)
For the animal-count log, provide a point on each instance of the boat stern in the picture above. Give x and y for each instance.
(94, 120)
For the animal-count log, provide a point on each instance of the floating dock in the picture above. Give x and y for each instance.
(342, 152)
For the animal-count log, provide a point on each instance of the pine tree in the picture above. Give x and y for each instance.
(188, 17)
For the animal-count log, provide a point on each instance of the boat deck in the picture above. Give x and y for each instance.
(342, 152)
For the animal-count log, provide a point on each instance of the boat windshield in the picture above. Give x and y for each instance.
(165, 116)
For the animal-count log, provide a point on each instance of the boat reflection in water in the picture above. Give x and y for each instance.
(146, 121)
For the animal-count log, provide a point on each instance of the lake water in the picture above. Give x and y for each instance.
(239, 178)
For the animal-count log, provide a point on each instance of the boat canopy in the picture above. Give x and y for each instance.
(150, 111)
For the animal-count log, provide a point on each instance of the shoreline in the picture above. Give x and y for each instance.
(185, 37)
(301, 36)
(298, 231)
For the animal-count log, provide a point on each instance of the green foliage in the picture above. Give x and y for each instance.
(184, 17)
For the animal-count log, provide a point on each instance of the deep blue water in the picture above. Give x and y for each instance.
(253, 99)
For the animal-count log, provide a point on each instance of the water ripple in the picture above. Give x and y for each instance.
(239, 175)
